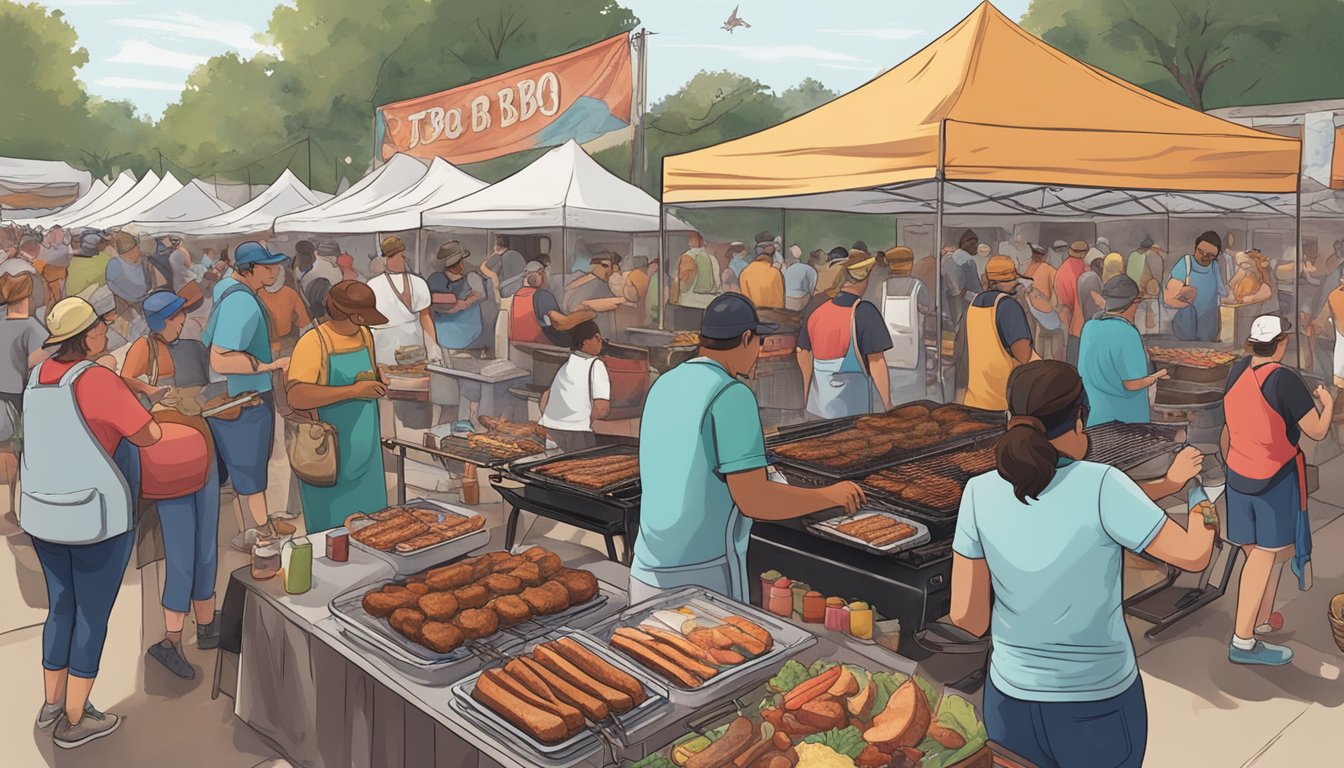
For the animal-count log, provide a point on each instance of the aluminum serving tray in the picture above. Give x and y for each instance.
(435, 554)
(789, 640)
(349, 611)
(830, 529)
(588, 741)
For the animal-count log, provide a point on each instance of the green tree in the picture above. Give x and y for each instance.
(47, 114)
(1204, 53)
(804, 97)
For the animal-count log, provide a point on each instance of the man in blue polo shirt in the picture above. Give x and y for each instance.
(702, 465)
(239, 339)
(1112, 360)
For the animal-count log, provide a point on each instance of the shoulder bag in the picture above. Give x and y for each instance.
(314, 450)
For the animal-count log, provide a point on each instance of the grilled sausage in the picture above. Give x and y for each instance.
(680, 643)
(727, 747)
(743, 640)
(545, 727)
(592, 707)
(618, 701)
(654, 661)
(755, 630)
(600, 669)
(573, 718)
(677, 659)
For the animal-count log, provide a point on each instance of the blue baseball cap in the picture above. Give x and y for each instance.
(730, 315)
(159, 306)
(252, 253)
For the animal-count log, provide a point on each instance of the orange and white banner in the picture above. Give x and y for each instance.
(582, 95)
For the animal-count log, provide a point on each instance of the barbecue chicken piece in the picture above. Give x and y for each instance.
(440, 637)
(477, 622)
(513, 428)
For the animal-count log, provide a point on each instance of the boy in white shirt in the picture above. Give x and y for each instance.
(580, 393)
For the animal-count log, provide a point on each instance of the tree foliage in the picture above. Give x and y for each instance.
(1204, 53)
(47, 113)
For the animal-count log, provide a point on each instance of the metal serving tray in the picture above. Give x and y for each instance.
(349, 611)
(586, 742)
(993, 421)
(435, 554)
(831, 528)
(531, 471)
(789, 640)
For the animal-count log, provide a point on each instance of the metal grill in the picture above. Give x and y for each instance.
(533, 471)
(1126, 446)
(993, 422)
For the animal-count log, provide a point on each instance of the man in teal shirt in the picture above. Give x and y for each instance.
(1112, 359)
(239, 339)
(702, 465)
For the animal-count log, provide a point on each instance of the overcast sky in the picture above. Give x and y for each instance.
(143, 50)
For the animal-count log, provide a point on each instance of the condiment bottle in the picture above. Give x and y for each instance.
(861, 620)
(265, 559)
(799, 590)
(837, 614)
(297, 560)
(814, 608)
(767, 581)
(781, 598)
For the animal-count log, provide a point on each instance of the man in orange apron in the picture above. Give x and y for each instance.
(997, 337)
(535, 317)
(1268, 408)
(842, 349)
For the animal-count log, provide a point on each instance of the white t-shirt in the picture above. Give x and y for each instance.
(580, 381)
(403, 322)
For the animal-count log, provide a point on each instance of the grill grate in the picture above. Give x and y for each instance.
(534, 471)
(1126, 446)
(992, 421)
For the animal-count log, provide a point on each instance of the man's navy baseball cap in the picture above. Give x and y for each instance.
(730, 315)
(252, 253)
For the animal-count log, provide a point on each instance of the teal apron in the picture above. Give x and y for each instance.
(361, 485)
(725, 574)
(458, 330)
(841, 387)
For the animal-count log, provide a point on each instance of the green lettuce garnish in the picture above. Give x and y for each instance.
(820, 666)
(887, 683)
(957, 714)
(848, 742)
(789, 676)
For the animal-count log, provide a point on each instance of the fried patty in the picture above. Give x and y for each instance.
(440, 606)
(472, 596)
(476, 623)
(581, 585)
(449, 577)
(511, 610)
(440, 637)
(381, 603)
(529, 574)
(407, 621)
(502, 584)
(549, 564)
(551, 597)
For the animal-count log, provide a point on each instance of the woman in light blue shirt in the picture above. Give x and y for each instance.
(1043, 574)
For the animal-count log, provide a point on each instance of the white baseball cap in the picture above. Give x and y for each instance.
(1266, 328)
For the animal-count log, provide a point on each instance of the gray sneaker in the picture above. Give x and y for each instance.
(243, 542)
(94, 725)
(169, 656)
(48, 715)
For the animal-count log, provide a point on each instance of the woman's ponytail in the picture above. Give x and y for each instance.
(1044, 397)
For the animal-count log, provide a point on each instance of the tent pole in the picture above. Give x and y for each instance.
(939, 298)
(784, 236)
(1161, 286)
(1297, 275)
(662, 267)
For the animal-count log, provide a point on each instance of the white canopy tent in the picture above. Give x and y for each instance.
(341, 213)
(126, 210)
(442, 184)
(286, 195)
(193, 201)
(86, 204)
(40, 183)
(564, 188)
(134, 195)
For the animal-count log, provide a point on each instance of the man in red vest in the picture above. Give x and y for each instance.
(535, 316)
(1268, 408)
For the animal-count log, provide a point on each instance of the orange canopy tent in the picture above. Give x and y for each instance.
(987, 102)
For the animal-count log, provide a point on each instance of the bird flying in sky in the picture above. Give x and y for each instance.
(734, 22)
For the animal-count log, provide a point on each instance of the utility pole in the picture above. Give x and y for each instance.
(160, 151)
(638, 155)
(309, 142)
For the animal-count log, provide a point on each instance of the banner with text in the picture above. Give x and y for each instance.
(584, 95)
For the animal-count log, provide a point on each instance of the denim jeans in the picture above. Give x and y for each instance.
(1111, 733)
(82, 584)
(190, 527)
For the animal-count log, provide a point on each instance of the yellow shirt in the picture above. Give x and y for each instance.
(763, 284)
(307, 364)
(86, 272)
